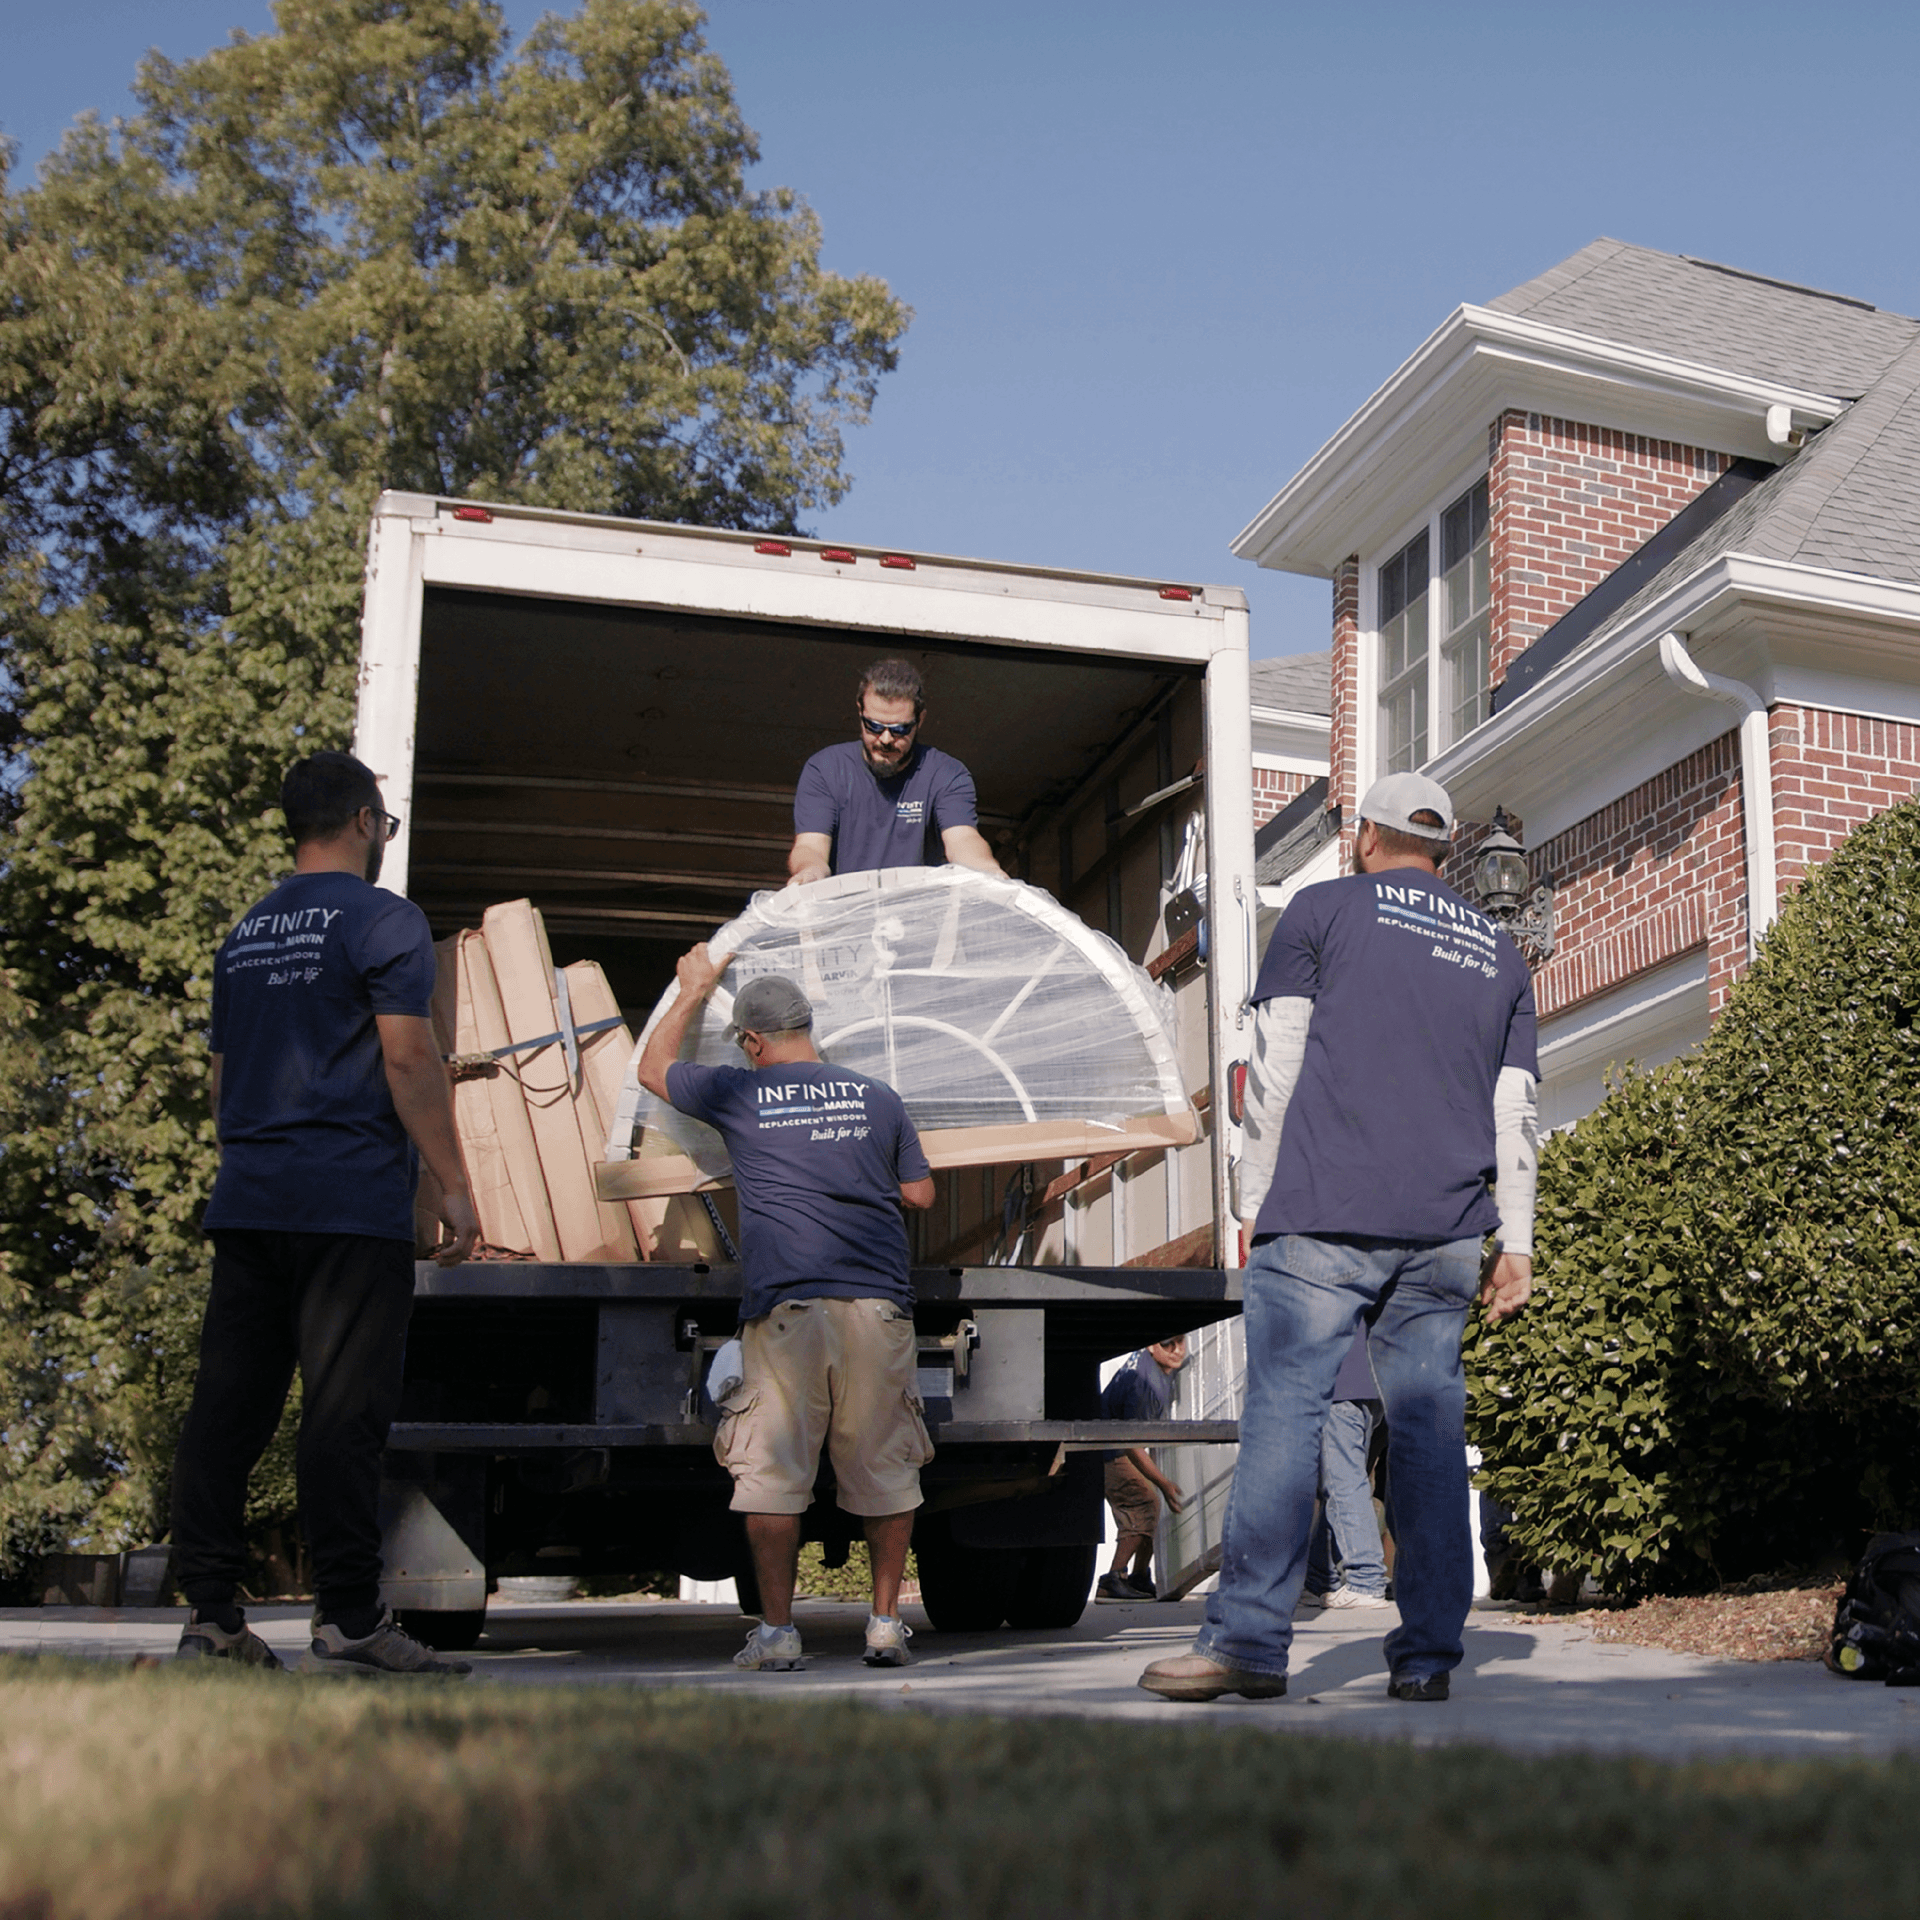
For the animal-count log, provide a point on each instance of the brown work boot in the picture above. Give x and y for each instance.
(1199, 1676)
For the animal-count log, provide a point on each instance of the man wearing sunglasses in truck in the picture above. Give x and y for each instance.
(881, 800)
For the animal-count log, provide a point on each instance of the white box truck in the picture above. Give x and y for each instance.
(608, 717)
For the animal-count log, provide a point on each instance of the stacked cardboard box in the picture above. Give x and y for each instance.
(532, 1127)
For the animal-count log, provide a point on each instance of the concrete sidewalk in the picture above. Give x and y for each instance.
(1530, 1684)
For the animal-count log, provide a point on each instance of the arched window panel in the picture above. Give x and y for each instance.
(1010, 1029)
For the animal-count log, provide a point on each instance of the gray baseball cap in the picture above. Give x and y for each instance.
(770, 1004)
(1395, 798)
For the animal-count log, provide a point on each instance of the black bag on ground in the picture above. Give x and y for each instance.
(1876, 1627)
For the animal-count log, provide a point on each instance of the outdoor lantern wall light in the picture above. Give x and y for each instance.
(1502, 878)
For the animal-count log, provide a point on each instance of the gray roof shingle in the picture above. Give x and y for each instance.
(1297, 683)
(1716, 316)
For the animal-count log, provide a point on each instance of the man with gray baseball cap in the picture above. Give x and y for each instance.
(824, 1158)
(1390, 1129)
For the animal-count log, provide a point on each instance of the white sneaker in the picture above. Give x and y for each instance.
(771, 1650)
(1353, 1597)
(887, 1637)
(1312, 1600)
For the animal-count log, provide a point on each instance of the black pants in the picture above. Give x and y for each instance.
(337, 1305)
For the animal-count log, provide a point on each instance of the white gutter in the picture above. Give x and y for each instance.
(1756, 776)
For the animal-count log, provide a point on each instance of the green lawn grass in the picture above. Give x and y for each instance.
(160, 1793)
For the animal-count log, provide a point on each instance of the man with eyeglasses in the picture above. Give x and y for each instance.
(881, 800)
(327, 1091)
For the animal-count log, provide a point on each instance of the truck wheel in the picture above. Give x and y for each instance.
(1053, 1586)
(444, 1632)
(966, 1589)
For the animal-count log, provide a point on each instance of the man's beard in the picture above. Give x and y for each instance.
(887, 767)
(375, 854)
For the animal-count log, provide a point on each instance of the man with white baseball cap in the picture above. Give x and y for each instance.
(1389, 1130)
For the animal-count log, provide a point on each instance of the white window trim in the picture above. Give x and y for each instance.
(1367, 729)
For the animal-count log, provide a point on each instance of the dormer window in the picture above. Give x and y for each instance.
(1433, 601)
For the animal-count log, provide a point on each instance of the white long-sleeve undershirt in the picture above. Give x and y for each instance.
(1278, 1050)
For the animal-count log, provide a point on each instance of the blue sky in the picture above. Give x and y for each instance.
(1158, 253)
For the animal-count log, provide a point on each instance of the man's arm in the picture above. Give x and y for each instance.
(423, 1098)
(967, 847)
(1143, 1465)
(917, 1194)
(697, 976)
(1273, 1070)
(213, 1091)
(809, 858)
(1516, 1158)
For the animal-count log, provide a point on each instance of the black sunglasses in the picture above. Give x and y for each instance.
(898, 729)
(392, 819)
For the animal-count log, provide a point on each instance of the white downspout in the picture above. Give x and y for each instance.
(1756, 776)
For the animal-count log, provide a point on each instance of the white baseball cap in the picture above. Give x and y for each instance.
(1393, 800)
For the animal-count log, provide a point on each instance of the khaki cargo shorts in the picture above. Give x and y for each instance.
(1134, 1498)
(833, 1373)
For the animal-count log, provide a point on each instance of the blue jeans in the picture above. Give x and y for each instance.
(1304, 1298)
(1347, 1524)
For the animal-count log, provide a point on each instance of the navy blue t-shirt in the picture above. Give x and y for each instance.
(1141, 1390)
(882, 823)
(820, 1154)
(1355, 1379)
(309, 1140)
(1418, 1002)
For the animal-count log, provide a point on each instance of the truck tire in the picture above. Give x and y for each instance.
(966, 1589)
(1052, 1587)
(444, 1632)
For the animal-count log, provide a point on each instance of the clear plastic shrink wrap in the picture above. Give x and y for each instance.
(1008, 1026)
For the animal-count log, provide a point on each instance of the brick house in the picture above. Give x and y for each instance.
(1632, 552)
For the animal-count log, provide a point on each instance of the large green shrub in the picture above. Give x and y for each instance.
(1720, 1371)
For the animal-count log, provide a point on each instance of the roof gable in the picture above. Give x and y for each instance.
(1718, 316)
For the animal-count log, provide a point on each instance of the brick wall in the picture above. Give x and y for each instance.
(1272, 789)
(1659, 872)
(1662, 871)
(1830, 772)
(1567, 503)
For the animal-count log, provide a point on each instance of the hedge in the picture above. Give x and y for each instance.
(1719, 1374)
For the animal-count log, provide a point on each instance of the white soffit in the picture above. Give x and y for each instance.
(1394, 456)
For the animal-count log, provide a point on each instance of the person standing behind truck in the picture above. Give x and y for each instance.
(1394, 1072)
(1141, 1390)
(325, 1081)
(879, 800)
(823, 1160)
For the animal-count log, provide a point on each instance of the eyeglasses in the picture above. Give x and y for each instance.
(894, 729)
(392, 820)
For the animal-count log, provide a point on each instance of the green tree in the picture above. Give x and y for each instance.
(1720, 1373)
(379, 247)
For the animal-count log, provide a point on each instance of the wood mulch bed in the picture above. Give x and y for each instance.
(1784, 1623)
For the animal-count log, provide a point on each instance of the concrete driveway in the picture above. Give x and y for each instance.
(1528, 1683)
